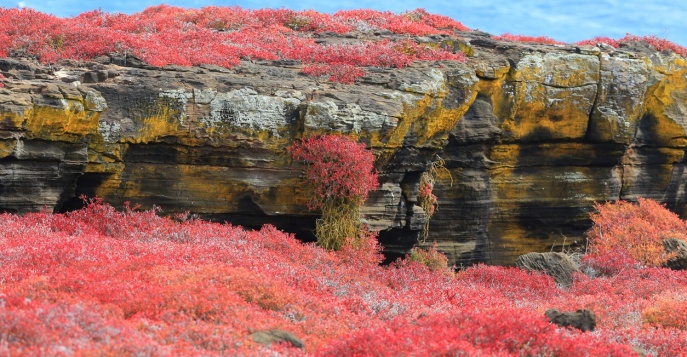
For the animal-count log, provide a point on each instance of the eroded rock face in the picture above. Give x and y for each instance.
(531, 135)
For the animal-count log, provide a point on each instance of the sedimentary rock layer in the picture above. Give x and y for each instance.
(531, 137)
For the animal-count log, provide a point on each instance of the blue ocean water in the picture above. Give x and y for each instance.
(567, 21)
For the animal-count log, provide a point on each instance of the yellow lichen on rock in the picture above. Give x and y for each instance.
(203, 188)
(160, 120)
(7, 147)
(69, 123)
(105, 157)
(665, 119)
(549, 96)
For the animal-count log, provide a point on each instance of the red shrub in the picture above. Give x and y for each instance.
(338, 168)
(417, 22)
(531, 39)
(625, 232)
(599, 39)
(363, 251)
(659, 44)
(668, 310)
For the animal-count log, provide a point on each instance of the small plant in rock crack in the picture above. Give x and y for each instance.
(425, 195)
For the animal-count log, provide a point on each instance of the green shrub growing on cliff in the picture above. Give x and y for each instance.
(339, 175)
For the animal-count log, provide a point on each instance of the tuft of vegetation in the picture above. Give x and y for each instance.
(657, 43)
(430, 257)
(339, 174)
(425, 195)
(529, 39)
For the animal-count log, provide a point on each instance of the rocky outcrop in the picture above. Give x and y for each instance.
(583, 320)
(560, 266)
(532, 136)
(678, 248)
(268, 337)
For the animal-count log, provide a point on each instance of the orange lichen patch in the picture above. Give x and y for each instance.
(534, 111)
(7, 147)
(70, 123)
(105, 157)
(546, 97)
(665, 106)
(428, 120)
(500, 94)
(440, 121)
(547, 113)
(511, 240)
(160, 120)
(202, 189)
(458, 45)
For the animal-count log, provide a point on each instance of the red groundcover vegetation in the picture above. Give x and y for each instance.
(166, 35)
(102, 282)
(223, 36)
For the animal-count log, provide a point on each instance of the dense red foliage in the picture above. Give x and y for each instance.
(162, 35)
(659, 44)
(102, 282)
(531, 39)
(337, 168)
(626, 233)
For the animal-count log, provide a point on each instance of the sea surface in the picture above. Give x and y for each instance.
(567, 21)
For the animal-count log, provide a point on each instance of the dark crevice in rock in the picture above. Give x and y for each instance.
(86, 185)
(397, 242)
(597, 98)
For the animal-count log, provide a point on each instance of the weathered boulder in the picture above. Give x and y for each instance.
(679, 248)
(584, 320)
(268, 337)
(557, 265)
(532, 136)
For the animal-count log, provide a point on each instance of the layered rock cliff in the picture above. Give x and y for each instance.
(532, 136)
